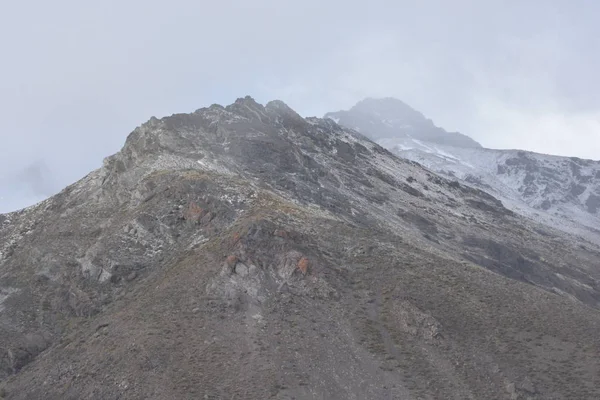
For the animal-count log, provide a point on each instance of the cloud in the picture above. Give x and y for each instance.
(546, 131)
(26, 187)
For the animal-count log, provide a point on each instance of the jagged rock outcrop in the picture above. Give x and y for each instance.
(246, 252)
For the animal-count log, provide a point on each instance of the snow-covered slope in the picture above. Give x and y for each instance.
(563, 192)
(559, 191)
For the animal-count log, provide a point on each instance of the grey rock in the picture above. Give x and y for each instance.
(512, 391)
(241, 270)
(527, 386)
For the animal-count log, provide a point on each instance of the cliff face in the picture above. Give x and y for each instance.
(246, 252)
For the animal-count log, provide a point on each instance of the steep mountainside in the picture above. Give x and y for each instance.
(559, 191)
(244, 252)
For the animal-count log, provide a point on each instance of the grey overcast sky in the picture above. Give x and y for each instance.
(77, 76)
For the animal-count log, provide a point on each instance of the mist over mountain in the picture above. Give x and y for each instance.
(434, 236)
(563, 192)
(391, 118)
(26, 187)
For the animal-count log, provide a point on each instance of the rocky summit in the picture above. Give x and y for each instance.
(245, 252)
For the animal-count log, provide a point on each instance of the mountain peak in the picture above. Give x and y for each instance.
(247, 107)
(388, 117)
(247, 101)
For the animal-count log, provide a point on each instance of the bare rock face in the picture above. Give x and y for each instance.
(246, 252)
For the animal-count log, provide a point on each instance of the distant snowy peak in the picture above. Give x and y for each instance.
(392, 118)
(561, 191)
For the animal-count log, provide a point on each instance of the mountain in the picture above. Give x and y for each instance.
(246, 252)
(389, 117)
(563, 192)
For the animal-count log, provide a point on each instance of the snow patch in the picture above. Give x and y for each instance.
(5, 293)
